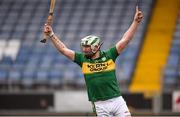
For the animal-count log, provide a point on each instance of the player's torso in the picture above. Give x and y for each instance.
(100, 78)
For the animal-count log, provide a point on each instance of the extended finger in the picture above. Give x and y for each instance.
(137, 8)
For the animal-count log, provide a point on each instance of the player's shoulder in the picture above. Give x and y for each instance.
(110, 50)
(112, 53)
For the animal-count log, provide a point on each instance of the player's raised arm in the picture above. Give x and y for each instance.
(61, 47)
(130, 32)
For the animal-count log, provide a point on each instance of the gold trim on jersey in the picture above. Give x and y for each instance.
(88, 68)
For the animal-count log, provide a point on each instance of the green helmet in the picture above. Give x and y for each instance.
(92, 41)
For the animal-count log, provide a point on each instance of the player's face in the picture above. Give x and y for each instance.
(86, 49)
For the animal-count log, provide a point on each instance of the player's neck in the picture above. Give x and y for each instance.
(97, 55)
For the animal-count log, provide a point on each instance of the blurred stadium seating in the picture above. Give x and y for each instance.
(26, 62)
(172, 69)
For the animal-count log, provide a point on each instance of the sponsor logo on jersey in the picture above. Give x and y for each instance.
(88, 68)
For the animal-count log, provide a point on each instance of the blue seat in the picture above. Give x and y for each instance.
(169, 80)
(79, 78)
(28, 77)
(15, 76)
(45, 62)
(55, 77)
(7, 60)
(170, 72)
(3, 76)
(41, 77)
(173, 60)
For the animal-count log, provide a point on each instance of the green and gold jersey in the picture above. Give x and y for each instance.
(100, 75)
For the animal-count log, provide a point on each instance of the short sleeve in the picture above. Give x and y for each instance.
(78, 58)
(113, 53)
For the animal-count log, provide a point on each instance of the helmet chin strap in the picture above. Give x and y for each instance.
(99, 47)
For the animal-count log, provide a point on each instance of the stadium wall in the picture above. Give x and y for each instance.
(75, 102)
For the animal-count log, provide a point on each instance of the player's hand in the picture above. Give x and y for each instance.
(48, 31)
(138, 15)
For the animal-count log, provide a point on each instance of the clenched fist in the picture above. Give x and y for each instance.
(48, 31)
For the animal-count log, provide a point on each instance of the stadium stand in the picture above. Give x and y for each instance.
(156, 46)
(39, 64)
(172, 69)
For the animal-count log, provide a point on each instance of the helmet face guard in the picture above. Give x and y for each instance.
(93, 42)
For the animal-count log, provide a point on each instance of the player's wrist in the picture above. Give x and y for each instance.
(51, 34)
